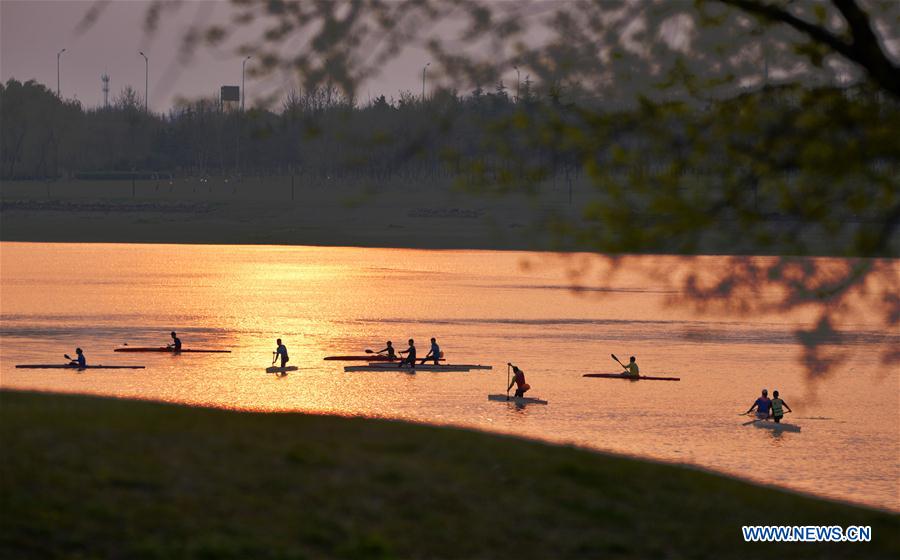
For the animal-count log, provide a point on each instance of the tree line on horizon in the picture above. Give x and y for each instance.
(820, 155)
(320, 133)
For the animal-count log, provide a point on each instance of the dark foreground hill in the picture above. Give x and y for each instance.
(86, 477)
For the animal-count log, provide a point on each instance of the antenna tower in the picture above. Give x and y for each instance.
(105, 79)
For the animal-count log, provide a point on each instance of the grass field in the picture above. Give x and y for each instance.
(86, 477)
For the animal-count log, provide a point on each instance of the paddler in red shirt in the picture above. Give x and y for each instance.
(519, 381)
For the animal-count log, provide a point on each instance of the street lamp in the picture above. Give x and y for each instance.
(423, 81)
(146, 79)
(59, 54)
(243, 66)
(518, 82)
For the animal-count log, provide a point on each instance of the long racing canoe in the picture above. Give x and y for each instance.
(516, 400)
(66, 366)
(396, 367)
(631, 377)
(369, 358)
(171, 350)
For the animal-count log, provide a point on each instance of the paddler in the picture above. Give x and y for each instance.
(519, 381)
(632, 369)
(176, 342)
(280, 351)
(79, 361)
(778, 406)
(410, 359)
(391, 355)
(434, 353)
(762, 405)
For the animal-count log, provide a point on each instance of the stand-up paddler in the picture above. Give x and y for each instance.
(280, 352)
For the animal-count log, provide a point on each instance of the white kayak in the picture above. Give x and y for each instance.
(516, 400)
(382, 366)
(278, 369)
(777, 426)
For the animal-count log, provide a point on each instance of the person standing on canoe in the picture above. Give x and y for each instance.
(282, 352)
(519, 381)
(434, 353)
(176, 342)
(778, 406)
(79, 361)
(762, 405)
(391, 355)
(410, 358)
(632, 369)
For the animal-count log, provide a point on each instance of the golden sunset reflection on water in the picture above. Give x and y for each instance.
(484, 308)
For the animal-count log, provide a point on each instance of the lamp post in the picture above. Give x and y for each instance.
(146, 79)
(423, 81)
(59, 54)
(518, 83)
(243, 67)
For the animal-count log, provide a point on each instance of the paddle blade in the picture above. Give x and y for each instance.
(369, 351)
(66, 356)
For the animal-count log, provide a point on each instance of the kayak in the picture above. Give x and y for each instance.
(431, 367)
(66, 366)
(278, 369)
(369, 358)
(170, 350)
(631, 378)
(777, 426)
(517, 400)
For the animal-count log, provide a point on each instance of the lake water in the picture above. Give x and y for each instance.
(485, 308)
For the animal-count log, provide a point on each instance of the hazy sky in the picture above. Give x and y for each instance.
(33, 31)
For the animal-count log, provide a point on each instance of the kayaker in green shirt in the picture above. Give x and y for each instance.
(632, 369)
(778, 406)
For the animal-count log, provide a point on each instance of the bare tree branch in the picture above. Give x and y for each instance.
(863, 48)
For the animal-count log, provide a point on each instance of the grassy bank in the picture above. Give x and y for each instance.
(87, 477)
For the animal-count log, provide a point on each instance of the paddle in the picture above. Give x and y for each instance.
(620, 363)
(508, 365)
